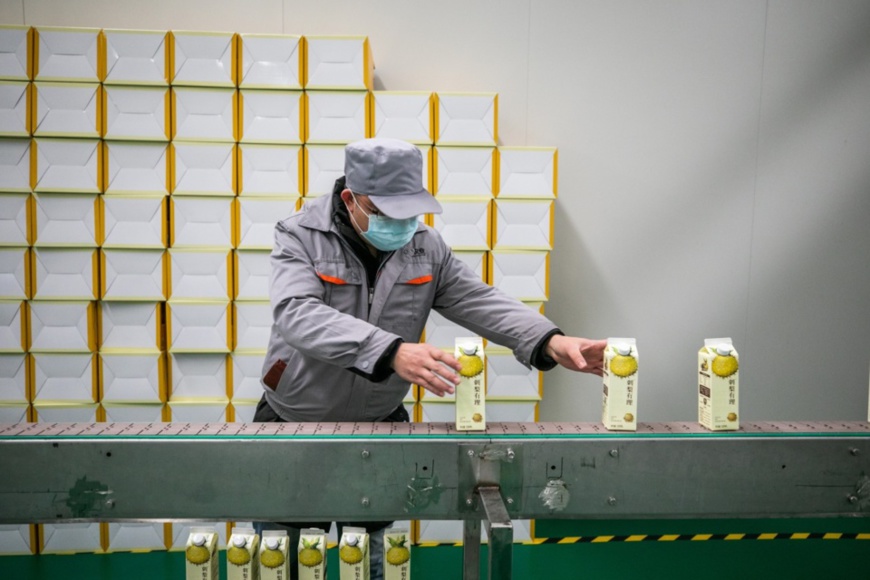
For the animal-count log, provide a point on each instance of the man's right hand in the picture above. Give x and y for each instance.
(427, 366)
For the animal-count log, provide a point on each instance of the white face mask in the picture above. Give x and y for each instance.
(385, 233)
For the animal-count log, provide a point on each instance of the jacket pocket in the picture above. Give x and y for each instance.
(342, 286)
(410, 298)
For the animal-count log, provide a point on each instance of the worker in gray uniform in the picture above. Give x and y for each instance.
(354, 277)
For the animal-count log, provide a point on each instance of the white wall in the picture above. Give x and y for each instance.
(714, 168)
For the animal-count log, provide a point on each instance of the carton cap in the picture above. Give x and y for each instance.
(723, 349)
(198, 540)
(623, 349)
(273, 543)
(239, 541)
(352, 540)
(468, 349)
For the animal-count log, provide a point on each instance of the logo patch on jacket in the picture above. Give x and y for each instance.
(415, 252)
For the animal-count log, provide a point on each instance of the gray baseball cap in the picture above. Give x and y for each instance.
(390, 172)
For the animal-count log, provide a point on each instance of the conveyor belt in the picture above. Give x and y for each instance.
(57, 472)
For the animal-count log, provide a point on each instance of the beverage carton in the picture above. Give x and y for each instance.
(353, 554)
(242, 551)
(397, 555)
(718, 378)
(471, 390)
(200, 555)
(619, 406)
(312, 554)
(274, 555)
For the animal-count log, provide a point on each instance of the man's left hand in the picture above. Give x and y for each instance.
(578, 354)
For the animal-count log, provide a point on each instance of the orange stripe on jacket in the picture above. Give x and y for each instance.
(421, 280)
(331, 279)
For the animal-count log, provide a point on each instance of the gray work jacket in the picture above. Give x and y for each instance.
(326, 319)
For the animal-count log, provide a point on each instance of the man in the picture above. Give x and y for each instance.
(354, 277)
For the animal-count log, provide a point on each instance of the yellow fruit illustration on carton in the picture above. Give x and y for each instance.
(724, 364)
(732, 416)
(477, 417)
(623, 364)
(272, 557)
(398, 554)
(238, 556)
(197, 553)
(472, 365)
(350, 552)
(628, 418)
(310, 555)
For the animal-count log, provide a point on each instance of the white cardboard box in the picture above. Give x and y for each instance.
(15, 165)
(134, 221)
(181, 531)
(200, 275)
(137, 113)
(64, 412)
(198, 327)
(268, 116)
(130, 326)
(521, 274)
(204, 168)
(17, 538)
(70, 378)
(15, 52)
(523, 224)
(62, 326)
(203, 58)
(67, 54)
(66, 273)
(203, 114)
(442, 333)
(138, 168)
(464, 224)
(14, 273)
(136, 536)
(528, 172)
(67, 165)
(66, 219)
(512, 411)
(323, 165)
(507, 378)
(14, 412)
(15, 106)
(337, 116)
(253, 322)
(252, 274)
(247, 368)
(133, 413)
(198, 411)
(198, 376)
(271, 61)
(467, 119)
(13, 380)
(244, 412)
(14, 324)
(13, 219)
(132, 274)
(132, 378)
(257, 219)
(339, 62)
(66, 109)
(201, 222)
(271, 170)
(72, 537)
(408, 116)
(136, 57)
(464, 171)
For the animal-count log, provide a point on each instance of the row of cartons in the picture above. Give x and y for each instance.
(227, 169)
(148, 536)
(65, 219)
(52, 109)
(157, 377)
(207, 275)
